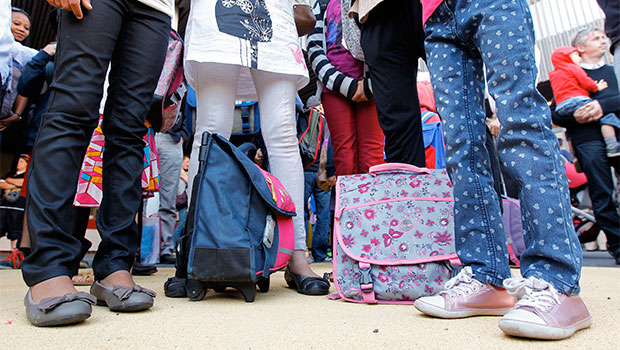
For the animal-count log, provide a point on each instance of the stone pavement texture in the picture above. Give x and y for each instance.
(283, 319)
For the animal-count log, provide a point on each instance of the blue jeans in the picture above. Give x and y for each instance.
(320, 230)
(461, 36)
(568, 108)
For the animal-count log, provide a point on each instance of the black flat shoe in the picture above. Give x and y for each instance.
(306, 284)
(143, 270)
(167, 259)
(175, 288)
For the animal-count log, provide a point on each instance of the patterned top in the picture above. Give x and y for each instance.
(333, 65)
(257, 34)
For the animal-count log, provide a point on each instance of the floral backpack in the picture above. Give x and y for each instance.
(393, 234)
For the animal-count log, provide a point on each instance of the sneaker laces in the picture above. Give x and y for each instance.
(533, 292)
(462, 284)
(15, 258)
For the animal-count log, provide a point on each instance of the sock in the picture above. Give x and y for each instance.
(611, 143)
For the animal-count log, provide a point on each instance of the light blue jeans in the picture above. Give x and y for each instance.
(568, 108)
(462, 35)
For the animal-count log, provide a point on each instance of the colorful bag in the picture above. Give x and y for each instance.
(310, 138)
(90, 188)
(393, 234)
(351, 32)
(513, 225)
(171, 88)
(434, 147)
(239, 225)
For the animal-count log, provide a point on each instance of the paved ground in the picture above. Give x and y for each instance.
(598, 258)
(283, 319)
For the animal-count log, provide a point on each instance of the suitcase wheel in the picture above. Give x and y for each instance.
(196, 291)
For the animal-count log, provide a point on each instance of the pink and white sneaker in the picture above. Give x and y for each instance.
(542, 312)
(465, 297)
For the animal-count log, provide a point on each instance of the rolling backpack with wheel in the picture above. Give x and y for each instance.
(239, 225)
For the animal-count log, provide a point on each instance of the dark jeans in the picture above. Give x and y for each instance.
(133, 38)
(392, 40)
(320, 230)
(593, 158)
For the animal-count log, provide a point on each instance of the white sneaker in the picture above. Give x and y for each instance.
(542, 312)
(465, 297)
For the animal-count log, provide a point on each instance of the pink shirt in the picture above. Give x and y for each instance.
(428, 7)
(337, 54)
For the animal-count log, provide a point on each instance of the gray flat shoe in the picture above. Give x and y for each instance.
(125, 299)
(58, 311)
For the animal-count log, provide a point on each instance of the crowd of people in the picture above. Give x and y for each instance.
(364, 56)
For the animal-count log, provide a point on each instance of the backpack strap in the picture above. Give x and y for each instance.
(426, 115)
(245, 119)
(366, 284)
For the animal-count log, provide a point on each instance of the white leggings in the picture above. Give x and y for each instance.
(216, 88)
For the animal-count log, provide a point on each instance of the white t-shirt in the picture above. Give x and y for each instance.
(257, 34)
(165, 6)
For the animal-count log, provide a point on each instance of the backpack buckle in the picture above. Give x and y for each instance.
(365, 277)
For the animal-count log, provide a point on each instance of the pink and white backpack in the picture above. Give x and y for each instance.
(171, 88)
(393, 234)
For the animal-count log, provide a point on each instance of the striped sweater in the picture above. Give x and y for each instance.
(328, 75)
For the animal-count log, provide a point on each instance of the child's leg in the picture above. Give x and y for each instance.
(458, 85)
(608, 131)
(609, 124)
(568, 107)
(528, 148)
(462, 34)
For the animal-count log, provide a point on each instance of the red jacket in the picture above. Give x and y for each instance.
(568, 79)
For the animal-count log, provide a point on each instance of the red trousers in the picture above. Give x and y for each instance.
(356, 136)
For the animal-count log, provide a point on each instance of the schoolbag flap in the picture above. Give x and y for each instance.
(267, 185)
(395, 217)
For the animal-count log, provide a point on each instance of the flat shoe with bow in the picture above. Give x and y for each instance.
(124, 299)
(58, 311)
(306, 284)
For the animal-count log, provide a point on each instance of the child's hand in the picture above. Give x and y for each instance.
(602, 85)
(359, 95)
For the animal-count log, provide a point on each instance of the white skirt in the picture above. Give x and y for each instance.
(257, 34)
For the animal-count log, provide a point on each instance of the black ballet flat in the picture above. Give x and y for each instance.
(305, 284)
(175, 288)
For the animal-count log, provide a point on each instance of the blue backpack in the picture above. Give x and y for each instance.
(239, 227)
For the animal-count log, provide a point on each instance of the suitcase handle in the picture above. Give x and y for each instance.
(396, 167)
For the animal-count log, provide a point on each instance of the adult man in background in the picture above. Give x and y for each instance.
(585, 133)
(611, 8)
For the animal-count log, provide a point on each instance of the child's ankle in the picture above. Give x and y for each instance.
(612, 145)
